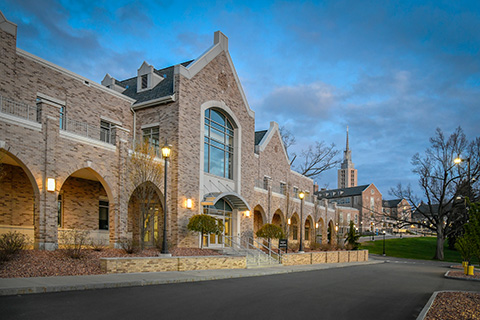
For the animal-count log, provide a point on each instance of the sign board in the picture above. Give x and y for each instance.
(282, 243)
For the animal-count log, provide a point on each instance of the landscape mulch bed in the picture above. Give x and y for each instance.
(41, 263)
(455, 306)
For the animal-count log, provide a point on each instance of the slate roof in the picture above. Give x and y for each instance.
(163, 89)
(391, 203)
(259, 136)
(341, 193)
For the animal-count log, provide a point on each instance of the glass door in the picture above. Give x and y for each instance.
(222, 211)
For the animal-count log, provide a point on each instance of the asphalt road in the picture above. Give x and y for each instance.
(394, 290)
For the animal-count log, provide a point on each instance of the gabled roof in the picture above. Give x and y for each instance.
(259, 136)
(163, 89)
(341, 193)
(391, 203)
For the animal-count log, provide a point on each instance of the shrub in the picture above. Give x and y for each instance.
(315, 245)
(74, 241)
(97, 244)
(129, 245)
(11, 243)
(293, 246)
(352, 238)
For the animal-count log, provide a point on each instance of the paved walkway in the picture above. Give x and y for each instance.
(15, 286)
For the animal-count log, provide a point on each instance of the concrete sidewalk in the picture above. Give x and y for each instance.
(16, 286)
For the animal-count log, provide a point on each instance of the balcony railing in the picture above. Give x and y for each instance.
(88, 130)
(260, 184)
(20, 110)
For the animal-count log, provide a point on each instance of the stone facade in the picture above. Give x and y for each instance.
(58, 125)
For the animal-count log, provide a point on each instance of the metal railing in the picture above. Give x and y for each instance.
(259, 183)
(89, 131)
(20, 110)
(256, 252)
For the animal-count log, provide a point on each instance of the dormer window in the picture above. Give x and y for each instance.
(144, 81)
(147, 78)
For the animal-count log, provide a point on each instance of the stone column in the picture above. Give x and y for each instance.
(119, 213)
(46, 224)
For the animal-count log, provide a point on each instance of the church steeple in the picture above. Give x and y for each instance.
(347, 157)
(347, 175)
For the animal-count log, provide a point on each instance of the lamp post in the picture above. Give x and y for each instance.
(384, 243)
(459, 160)
(166, 149)
(301, 195)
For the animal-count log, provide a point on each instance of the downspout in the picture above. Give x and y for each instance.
(134, 126)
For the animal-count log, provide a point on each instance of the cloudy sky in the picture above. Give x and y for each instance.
(393, 71)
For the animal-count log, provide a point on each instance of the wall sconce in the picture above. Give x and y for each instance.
(51, 184)
(189, 204)
(316, 225)
(289, 221)
(247, 214)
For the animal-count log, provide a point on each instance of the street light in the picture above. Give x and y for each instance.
(301, 195)
(459, 160)
(384, 243)
(166, 149)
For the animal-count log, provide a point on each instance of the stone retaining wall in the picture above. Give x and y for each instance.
(161, 264)
(324, 257)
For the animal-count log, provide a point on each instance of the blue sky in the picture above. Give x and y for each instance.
(393, 71)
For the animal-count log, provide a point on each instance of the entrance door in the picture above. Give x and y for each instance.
(221, 211)
(151, 226)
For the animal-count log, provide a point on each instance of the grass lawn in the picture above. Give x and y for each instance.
(422, 248)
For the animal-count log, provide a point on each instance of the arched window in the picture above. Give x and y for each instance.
(218, 153)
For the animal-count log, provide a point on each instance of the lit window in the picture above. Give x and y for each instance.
(218, 141)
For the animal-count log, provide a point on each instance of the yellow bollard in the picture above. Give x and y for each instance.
(464, 263)
(465, 269)
(471, 270)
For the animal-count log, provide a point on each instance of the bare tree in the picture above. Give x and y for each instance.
(288, 139)
(315, 159)
(145, 174)
(441, 182)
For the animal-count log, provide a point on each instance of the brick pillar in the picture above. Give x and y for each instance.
(46, 229)
(119, 211)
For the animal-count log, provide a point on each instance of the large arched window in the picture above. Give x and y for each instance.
(218, 153)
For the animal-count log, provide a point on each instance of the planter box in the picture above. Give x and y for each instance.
(292, 259)
(162, 264)
(319, 257)
(342, 256)
(332, 256)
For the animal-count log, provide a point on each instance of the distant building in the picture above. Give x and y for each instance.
(347, 174)
(367, 199)
(396, 210)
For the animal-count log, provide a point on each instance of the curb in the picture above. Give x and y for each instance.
(459, 278)
(427, 307)
(42, 285)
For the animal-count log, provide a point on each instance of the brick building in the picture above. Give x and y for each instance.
(66, 143)
(366, 199)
